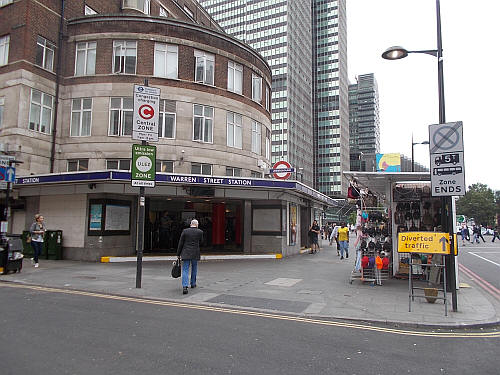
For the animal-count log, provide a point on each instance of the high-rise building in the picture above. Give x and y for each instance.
(281, 32)
(305, 44)
(364, 123)
(331, 116)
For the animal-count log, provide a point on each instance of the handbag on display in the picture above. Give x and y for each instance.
(176, 268)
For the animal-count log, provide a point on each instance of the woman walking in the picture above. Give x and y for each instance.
(344, 241)
(314, 233)
(37, 231)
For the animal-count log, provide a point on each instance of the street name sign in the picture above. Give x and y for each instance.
(143, 165)
(424, 242)
(446, 146)
(146, 113)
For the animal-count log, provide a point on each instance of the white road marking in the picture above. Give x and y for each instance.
(483, 258)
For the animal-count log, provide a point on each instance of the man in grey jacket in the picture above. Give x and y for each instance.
(189, 251)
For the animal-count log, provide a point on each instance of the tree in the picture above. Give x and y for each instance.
(479, 202)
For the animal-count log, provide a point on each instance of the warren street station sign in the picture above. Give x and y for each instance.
(143, 165)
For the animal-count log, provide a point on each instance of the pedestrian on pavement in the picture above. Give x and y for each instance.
(189, 251)
(313, 235)
(495, 234)
(360, 237)
(463, 232)
(334, 237)
(37, 231)
(344, 241)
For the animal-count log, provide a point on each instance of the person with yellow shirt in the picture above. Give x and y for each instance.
(344, 240)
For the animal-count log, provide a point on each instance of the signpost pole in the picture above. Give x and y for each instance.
(7, 198)
(140, 225)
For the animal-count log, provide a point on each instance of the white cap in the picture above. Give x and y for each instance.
(194, 223)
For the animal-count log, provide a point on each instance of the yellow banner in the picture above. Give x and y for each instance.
(424, 242)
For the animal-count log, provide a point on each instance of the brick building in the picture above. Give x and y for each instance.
(67, 70)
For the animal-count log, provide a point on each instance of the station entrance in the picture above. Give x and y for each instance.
(220, 220)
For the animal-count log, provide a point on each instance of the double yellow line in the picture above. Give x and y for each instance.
(493, 334)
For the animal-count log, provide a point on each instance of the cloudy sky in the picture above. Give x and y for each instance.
(408, 87)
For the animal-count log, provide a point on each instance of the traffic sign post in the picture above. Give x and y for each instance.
(143, 165)
(145, 128)
(7, 178)
(146, 110)
(446, 148)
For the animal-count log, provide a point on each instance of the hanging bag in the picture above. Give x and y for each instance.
(176, 268)
(28, 238)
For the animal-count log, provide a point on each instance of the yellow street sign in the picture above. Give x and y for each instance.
(424, 242)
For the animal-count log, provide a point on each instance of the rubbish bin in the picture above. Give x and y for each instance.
(11, 256)
(53, 244)
(27, 248)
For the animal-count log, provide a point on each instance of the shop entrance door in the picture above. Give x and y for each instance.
(166, 218)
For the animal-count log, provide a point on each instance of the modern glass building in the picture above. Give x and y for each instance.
(364, 122)
(331, 116)
(280, 30)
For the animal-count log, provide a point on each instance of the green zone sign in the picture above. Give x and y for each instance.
(143, 165)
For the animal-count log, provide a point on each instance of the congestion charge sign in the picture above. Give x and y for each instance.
(424, 242)
(143, 165)
(145, 119)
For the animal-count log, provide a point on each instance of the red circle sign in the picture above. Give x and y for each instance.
(146, 111)
(282, 165)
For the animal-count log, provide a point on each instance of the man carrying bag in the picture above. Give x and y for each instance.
(189, 251)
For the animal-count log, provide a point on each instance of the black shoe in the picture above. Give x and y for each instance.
(185, 290)
(347, 255)
(341, 258)
(193, 286)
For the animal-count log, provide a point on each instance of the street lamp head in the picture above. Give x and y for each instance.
(395, 53)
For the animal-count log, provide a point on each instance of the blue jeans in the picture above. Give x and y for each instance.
(344, 246)
(37, 249)
(185, 272)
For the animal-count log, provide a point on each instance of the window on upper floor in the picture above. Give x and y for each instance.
(234, 77)
(4, 49)
(188, 11)
(166, 121)
(256, 136)
(234, 172)
(119, 164)
(121, 112)
(166, 60)
(255, 174)
(85, 58)
(41, 112)
(5, 2)
(268, 98)
(76, 165)
(124, 56)
(140, 5)
(163, 12)
(256, 88)
(268, 144)
(203, 122)
(89, 11)
(166, 166)
(2, 105)
(199, 168)
(234, 132)
(81, 117)
(205, 66)
(45, 52)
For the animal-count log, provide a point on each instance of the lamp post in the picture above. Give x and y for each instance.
(396, 53)
(412, 152)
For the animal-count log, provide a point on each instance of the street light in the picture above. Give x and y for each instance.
(396, 53)
(412, 154)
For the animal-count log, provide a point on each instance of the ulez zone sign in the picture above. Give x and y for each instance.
(424, 242)
(143, 165)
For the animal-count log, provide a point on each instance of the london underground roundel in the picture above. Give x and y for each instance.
(286, 170)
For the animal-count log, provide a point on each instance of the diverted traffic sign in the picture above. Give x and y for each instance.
(281, 170)
(424, 242)
(146, 116)
(143, 165)
(446, 146)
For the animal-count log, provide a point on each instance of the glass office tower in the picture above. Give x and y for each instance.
(364, 123)
(280, 30)
(331, 116)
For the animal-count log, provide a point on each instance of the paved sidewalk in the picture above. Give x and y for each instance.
(309, 285)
